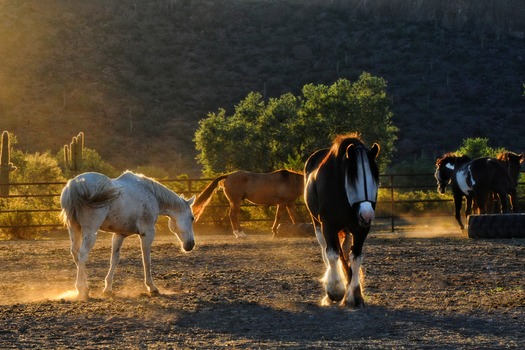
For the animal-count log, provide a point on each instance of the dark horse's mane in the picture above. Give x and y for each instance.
(507, 156)
(338, 152)
(455, 156)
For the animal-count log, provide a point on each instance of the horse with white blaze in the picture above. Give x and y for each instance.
(127, 205)
(475, 180)
(341, 186)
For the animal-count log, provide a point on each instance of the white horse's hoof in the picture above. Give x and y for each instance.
(83, 296)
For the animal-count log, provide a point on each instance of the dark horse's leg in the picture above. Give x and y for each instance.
(354, 295)
(503, 201)
(513, 200)
(468, 209)
(482, 200)
(458, 199)
(333, 279)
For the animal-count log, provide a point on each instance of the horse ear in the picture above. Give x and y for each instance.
(191, 201)
(374, 151)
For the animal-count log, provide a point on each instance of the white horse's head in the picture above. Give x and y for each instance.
(181, 223)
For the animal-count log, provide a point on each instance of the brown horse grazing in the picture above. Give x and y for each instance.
(281, 188)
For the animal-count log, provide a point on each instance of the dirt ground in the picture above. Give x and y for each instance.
(435, 291)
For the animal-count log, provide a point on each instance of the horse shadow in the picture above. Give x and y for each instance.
(309, 324)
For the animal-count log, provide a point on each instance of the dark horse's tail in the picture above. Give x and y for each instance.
(204, 197)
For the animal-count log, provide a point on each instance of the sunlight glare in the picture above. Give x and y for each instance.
(67, 295)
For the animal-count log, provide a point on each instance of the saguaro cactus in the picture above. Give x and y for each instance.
(6, 167)
(73, 154)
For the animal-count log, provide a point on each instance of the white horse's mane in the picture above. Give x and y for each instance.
(164, 194)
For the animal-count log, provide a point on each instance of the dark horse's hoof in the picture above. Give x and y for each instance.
(332, 298)
(355, 303)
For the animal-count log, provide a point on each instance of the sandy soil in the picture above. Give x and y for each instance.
(440, 291)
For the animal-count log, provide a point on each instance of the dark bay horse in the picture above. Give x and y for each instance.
(512, 162)
(281, 188)
(474, 179)
(127, 205)
(341, 186)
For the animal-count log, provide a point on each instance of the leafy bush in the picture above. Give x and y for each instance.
(22, 212)
(415, 202)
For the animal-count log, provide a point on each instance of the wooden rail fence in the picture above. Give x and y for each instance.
(391, 210)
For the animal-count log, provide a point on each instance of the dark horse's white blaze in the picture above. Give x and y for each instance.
(363, 189)
(341, 186)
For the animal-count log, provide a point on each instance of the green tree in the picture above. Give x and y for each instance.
(284, 131)
(478, 147)
(227, 143)
(362, 106)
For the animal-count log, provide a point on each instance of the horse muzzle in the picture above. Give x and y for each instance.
(441, 188)
(188, 245)
(365, 214)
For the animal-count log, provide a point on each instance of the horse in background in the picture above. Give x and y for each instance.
(474, 179)
(512, 162)
(127, 205)
(341, 186)
(281, 188)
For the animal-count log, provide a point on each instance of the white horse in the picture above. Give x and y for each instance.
(127, 205)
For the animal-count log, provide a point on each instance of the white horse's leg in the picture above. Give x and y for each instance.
(333, 279)
(116, 244)
(145, 243)
(75, 235)
(89, 238)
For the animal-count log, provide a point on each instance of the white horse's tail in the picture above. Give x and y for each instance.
(77, 194)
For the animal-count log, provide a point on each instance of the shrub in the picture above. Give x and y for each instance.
(22, 212)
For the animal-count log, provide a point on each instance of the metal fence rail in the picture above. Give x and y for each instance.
(388, 210)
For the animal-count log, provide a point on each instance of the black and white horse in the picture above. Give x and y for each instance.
(474, 179)
(341, 185)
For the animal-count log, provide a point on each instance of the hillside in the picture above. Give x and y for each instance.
(137, 76)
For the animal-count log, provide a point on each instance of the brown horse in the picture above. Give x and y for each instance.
(281, 188)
